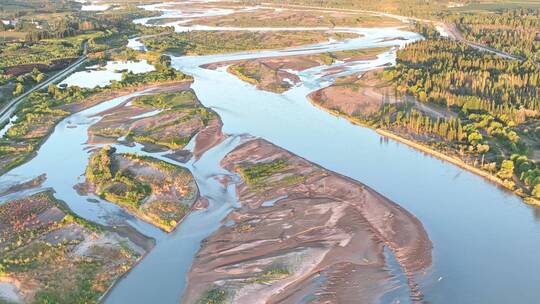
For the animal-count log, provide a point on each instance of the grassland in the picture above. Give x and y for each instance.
(296, 17)
(262, 176)
(215, 42)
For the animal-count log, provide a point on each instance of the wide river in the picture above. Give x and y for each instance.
(486, 241)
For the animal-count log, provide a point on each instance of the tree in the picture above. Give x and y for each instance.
(507, 169)
(19, 89)
(165, 60)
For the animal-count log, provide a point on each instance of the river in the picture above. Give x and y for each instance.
(485, 239)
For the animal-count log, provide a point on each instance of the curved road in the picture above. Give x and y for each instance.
(7, 110)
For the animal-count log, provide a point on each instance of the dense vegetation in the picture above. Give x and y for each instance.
(496, 102)
(514, 31)
(115, 185)
(150, 188)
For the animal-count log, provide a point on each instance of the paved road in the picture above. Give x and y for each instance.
(7, 110)
(456, 34)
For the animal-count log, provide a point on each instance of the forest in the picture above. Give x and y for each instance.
(515, 31)
(496, 102)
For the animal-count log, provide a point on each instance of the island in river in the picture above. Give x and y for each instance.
(279, 74)
(151, 189)
(303, 232)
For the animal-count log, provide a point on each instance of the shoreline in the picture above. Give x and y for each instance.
(529, 200)
(92, 100)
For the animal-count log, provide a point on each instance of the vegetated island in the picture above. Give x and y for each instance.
(151, 189)
(50, 255)
(165, 120)
(279, 74)
(303, 231)
(221, 42)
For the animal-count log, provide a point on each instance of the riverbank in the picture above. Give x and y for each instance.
(303, 231)
(423, 148)
(21, 148)
(49, 254)
(279, 74)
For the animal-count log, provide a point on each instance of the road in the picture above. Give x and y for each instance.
(454, 33)
(7, 110)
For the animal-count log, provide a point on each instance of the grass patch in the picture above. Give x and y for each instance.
(167, 100)
(256, 174)
(214, 296)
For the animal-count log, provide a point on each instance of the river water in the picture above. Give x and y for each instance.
(485, 239)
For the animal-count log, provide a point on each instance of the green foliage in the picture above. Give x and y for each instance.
(99, 166)
(494, 99)
(115, 185)
(167, 101)
(513, 31)
(256, 174)
(214, 296)
(507, 169)
(19, 89)
(455, 75)
(272, 274)
(160, 75)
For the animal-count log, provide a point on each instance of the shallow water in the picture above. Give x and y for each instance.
(102, 76)
(9, 293)
(6, 128)
(95, 7)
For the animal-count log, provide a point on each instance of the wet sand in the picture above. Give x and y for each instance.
(303, 231)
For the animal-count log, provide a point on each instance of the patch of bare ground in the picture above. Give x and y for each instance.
(321, 236)
(49, 255)
(153, 190)
(356, 95)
